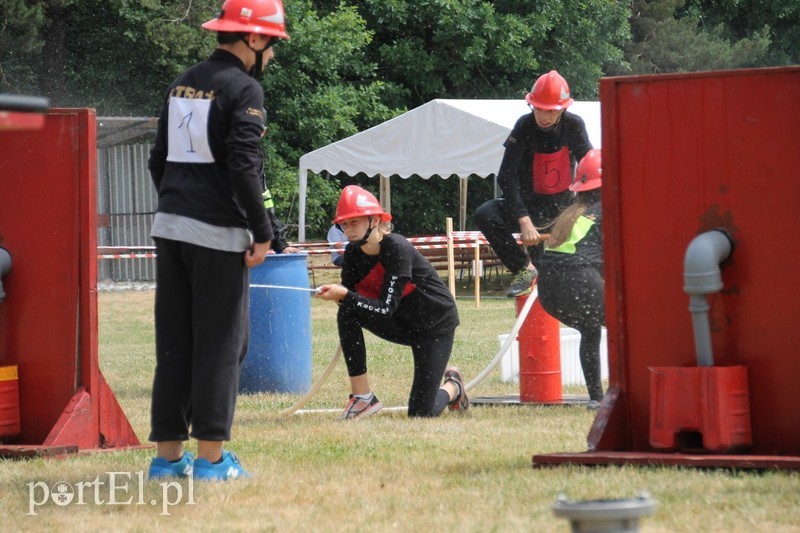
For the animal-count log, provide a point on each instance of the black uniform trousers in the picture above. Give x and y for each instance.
(498, 223)
(431, 351)
(202, 333)
(574, 296)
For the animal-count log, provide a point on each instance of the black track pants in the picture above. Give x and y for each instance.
(431, 351)
(498, 224)
(574, 296)
(202, 331)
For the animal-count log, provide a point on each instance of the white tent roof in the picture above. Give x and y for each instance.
(440, 138)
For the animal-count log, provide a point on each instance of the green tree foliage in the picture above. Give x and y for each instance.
(482, 49)
(20, 46)
(421, 206)
(122, 54)
(116, 56)
(319, 88)
(669, 38)
(754, 19)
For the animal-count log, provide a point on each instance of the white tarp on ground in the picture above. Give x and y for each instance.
(440, 138)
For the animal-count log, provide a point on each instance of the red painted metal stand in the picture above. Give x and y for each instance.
(48, 320)
(666, 179)
(701, 408)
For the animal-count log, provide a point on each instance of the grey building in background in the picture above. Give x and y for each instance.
(126, 199)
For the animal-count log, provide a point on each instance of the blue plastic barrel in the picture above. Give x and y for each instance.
(279, 356)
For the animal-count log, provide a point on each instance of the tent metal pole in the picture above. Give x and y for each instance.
(302, 180)
(451, 270)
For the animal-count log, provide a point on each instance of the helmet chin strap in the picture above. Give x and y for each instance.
(258, 67)
(552, 126)
(363, 240)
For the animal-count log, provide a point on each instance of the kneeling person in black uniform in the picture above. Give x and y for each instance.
(390, 289)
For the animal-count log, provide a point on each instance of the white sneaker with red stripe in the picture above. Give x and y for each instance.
(360, 407)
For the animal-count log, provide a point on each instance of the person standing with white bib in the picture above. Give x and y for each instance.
(210, 227)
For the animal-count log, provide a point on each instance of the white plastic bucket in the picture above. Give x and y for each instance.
(571, 372)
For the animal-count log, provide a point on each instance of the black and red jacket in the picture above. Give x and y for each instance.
(399, 284)
(224, 189)
(518, 171)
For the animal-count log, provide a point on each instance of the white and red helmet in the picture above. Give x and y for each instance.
(357, 202)
(264, 17)
(550, 91)
(589, 174)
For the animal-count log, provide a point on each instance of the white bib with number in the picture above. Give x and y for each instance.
(188, 130)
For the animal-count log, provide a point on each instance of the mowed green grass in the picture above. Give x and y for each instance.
(470, 473)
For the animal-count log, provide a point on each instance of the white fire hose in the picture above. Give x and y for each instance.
(510, 339)
(469, 386)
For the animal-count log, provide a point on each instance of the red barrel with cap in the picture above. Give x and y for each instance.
(539, 355)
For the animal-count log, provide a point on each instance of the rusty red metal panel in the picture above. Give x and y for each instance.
(39, 225)
(48, 320)
(755, 462)
(696, 409)
(115, 429)
(76, 426)
(684, 154)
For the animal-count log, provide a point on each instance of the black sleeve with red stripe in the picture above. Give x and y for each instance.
(377, 284)
(399, 283)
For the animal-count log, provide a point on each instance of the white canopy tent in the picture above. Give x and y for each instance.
(440, 138)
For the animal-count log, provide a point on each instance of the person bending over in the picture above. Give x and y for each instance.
(540, 155)
(571, 271)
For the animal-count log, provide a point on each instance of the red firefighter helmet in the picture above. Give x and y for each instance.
(550, 91)
(250, 16)
(357, 202)
(590, 172)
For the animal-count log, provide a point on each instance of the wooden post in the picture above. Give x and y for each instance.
(451, 269)
(478, 272)
(462, 203)
(385, 192)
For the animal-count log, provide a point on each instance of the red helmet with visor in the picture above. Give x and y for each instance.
(550, 91)
(357, 202)
(264, 17)
(589, 174)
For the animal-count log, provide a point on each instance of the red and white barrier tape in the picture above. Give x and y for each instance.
(463, 239)
(126, 256)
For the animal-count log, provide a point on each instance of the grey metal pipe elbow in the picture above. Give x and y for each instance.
(701, 276)
(701, 273)
(5, 268)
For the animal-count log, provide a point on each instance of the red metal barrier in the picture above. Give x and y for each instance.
(48, 320)
(684, 154)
